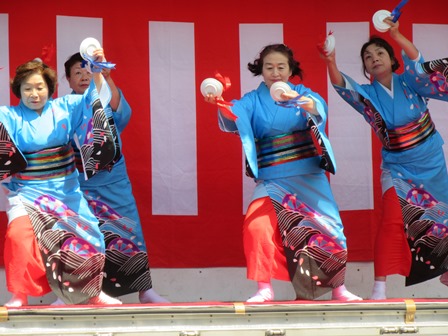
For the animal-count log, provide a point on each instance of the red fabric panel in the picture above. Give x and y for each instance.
(3, 227)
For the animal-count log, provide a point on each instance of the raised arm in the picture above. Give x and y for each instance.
(98, 77)
(335, 75)
(408, 47)
(115, 99)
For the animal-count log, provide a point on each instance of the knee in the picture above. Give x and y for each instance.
(20, 231)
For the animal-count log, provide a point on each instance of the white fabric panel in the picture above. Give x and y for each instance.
(4, 61)
(350, 135)
(253, 37)
(71, 31)
(4, 78)
(431, 40)
(173, 118)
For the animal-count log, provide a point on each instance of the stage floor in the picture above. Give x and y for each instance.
(292, 318)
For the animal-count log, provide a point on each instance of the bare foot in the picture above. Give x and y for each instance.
(150, 296)
(17, 300)
(104, 299)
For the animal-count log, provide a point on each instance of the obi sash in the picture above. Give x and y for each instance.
(285, 148)
(49, 163)
(410, 135)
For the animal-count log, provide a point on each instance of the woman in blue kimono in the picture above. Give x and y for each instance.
(109, 194)
(292, 229)
(412, 238)
(53, 242)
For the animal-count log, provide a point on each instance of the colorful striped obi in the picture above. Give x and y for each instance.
(48, 164)
(410, 135)
(285, 148)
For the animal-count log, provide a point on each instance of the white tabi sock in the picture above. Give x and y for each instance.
(379, 290)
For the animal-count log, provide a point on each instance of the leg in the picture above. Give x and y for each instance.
(392, 254)
(118, 196)
(263, 248)
(24, 267)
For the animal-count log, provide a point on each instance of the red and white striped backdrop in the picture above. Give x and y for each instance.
(187, 175)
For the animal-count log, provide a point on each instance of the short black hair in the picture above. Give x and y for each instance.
(72, 60)
(380, 42)
(257, 66)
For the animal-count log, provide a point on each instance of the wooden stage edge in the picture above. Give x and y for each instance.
(291, 318)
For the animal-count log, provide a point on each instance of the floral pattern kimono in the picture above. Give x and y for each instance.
(37, 155)
(413, 159)
(287, 153)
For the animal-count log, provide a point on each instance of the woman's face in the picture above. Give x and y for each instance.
(34, 92)
(79, 79)
(377, 61)
(275, 68)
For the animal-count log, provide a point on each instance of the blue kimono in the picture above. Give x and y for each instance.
(109, 195)
(45, 187)
(413, 160)
(287, 167)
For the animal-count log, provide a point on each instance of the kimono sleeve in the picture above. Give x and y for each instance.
(94, 136)
(317, 124)
(320, 105)
(352, 93)
(243, 109)
(123, 113)
(426, 85)
(225, 124)
(11, 158)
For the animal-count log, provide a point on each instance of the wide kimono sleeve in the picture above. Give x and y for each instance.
(426, 85)
(353, 93)
(243, 109)
(94, 134)
(118, 120)
(363, 99)
(123, 113)
(318, 122)
(11, 158)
